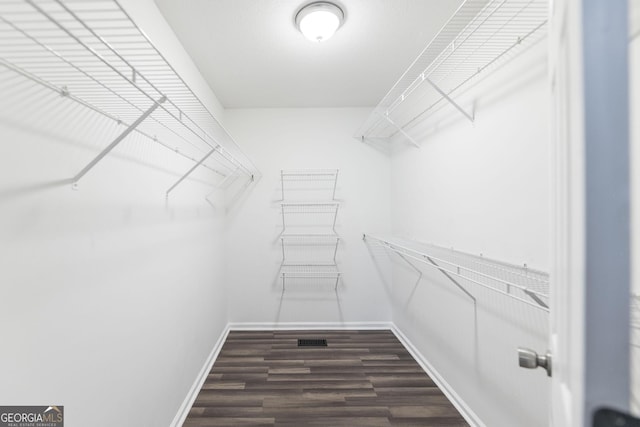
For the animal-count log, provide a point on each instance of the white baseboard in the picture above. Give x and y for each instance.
(288, 326)
(183, 411)
(469, 415)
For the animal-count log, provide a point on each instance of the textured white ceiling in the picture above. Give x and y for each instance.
(252, 55)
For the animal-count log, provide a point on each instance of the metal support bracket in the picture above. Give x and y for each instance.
(194, 167)
(409, 263)
(402, 131)
(451, 101)
(454, 281)
(536, 298)
(117, 141)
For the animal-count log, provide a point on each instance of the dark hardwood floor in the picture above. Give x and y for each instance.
(362, 378)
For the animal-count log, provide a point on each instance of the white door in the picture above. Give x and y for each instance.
(589, 320)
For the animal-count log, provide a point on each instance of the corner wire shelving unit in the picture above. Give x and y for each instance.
(92, 53)
(521, 283)
(479, 36)
(309, 239)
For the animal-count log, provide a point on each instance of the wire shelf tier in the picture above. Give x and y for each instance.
(519, 282)
(309, 249)
(310, 277)
(309, 174)
(310, 218)
(310, 237)
(309, 184)
(480, 35)
(310, 207)
(92, 53)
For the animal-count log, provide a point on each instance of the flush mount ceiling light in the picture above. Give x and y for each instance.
(318, 21)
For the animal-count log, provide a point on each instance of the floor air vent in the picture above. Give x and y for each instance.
(312, 343)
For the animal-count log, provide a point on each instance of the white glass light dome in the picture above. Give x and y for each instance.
(319, 21)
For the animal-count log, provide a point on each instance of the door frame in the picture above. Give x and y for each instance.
(591, 282)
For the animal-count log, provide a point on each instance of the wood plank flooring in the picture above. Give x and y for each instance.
(362, 378)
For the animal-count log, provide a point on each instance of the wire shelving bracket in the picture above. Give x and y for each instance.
(92, 53)
(117, 141)
(480, 35)
(194, 167)
(521, 283)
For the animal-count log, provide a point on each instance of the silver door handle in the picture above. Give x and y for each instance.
(530, 359)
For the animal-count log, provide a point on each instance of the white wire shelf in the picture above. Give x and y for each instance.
(309, 249)
(309, 218)
(480, 35)
(305, 184)
(319, 277)
(310, 207)
(524, 284)
(309, 174)
(319, 235)
(92, 53)
(310, 239)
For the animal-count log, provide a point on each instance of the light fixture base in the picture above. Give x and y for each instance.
(318, 21)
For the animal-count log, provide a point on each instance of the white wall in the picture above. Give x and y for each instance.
(306, 139)
(480, 189)
(111, 299)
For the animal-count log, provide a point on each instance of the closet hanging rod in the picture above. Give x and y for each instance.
(424, 258)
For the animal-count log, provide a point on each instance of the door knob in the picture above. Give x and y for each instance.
(529, 359)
